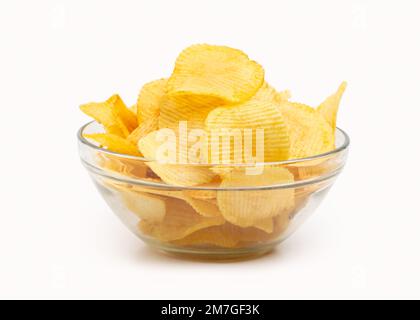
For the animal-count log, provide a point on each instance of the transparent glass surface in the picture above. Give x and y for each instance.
(191, 220)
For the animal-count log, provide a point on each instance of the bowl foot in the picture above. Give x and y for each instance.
(213, 254)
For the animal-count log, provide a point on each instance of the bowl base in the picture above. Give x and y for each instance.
(213, 254)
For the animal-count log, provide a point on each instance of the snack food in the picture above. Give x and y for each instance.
(193, 138)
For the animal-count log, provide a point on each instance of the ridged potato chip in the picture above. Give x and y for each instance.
(248, 208)
(123, 166)
(116, 118)
(268, 94)
(215, 71)
(309, 133)
(185, 109)
(253, 115)
(180, 221)
(201, 194)
(224, 236)
(114, 143)
(266, 225)
(122, 112)
(145, 206)
(150, 99)
(206, 208)
(147, 126)
(329, 108)
(173, 174)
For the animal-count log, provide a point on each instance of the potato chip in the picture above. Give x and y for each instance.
(145, 206)
(309, 132)
(266, 225)
(201, 194)
(180, 221)
(176, 194)
(206, 208)
(224, 236)
(114, 143)
(222, 171)
(181, 175)
(122, 112)
(185, 109)
(150, 99)
(265, 93)
(268, 93)
(254, 116)
(213, 236)
(116, 118)
(174, 174)
(283, 96)
(147, 126)
(329, 108)
(123, 166)
(216, 71)
(248, 208)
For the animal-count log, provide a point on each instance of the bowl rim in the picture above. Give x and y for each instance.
(345, 145)
(151, 184)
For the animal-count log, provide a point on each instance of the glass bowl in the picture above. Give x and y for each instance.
(188, 221)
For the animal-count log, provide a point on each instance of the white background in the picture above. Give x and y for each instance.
(58, 239)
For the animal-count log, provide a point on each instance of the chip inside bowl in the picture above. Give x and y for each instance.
(214, 156)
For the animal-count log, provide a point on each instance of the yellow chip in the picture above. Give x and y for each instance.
(224, 236)
(249, 208)
(309, 133)
(125, 114)
(127, 167)
(114, 143)
(216, 71)
(180, 221)
(116, 118)
(150, 99)
(185, 109)
(206, 208)
(266, 225)
(173, 174)
(202, 194)
(147, 126)
(329, 108)
(144, 206)
(269, 94)
(255, 117)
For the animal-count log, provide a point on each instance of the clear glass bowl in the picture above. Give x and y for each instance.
(187, 220)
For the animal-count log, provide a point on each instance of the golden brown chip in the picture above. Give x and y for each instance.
(145, 206)
(180, 221)
(114, 143)
(150, 99)
(266, 225)
(201, 194)
(116, 118)
(255, 117)
(206, 208)
(248, 208)
(193, 111)
(216, 71)
(224, 236)
(173, 174)
(122, 112)
(146, 127)
(128, 167)
(329, 108)
(309, 132)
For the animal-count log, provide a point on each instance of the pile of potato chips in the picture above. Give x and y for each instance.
(213, 87)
